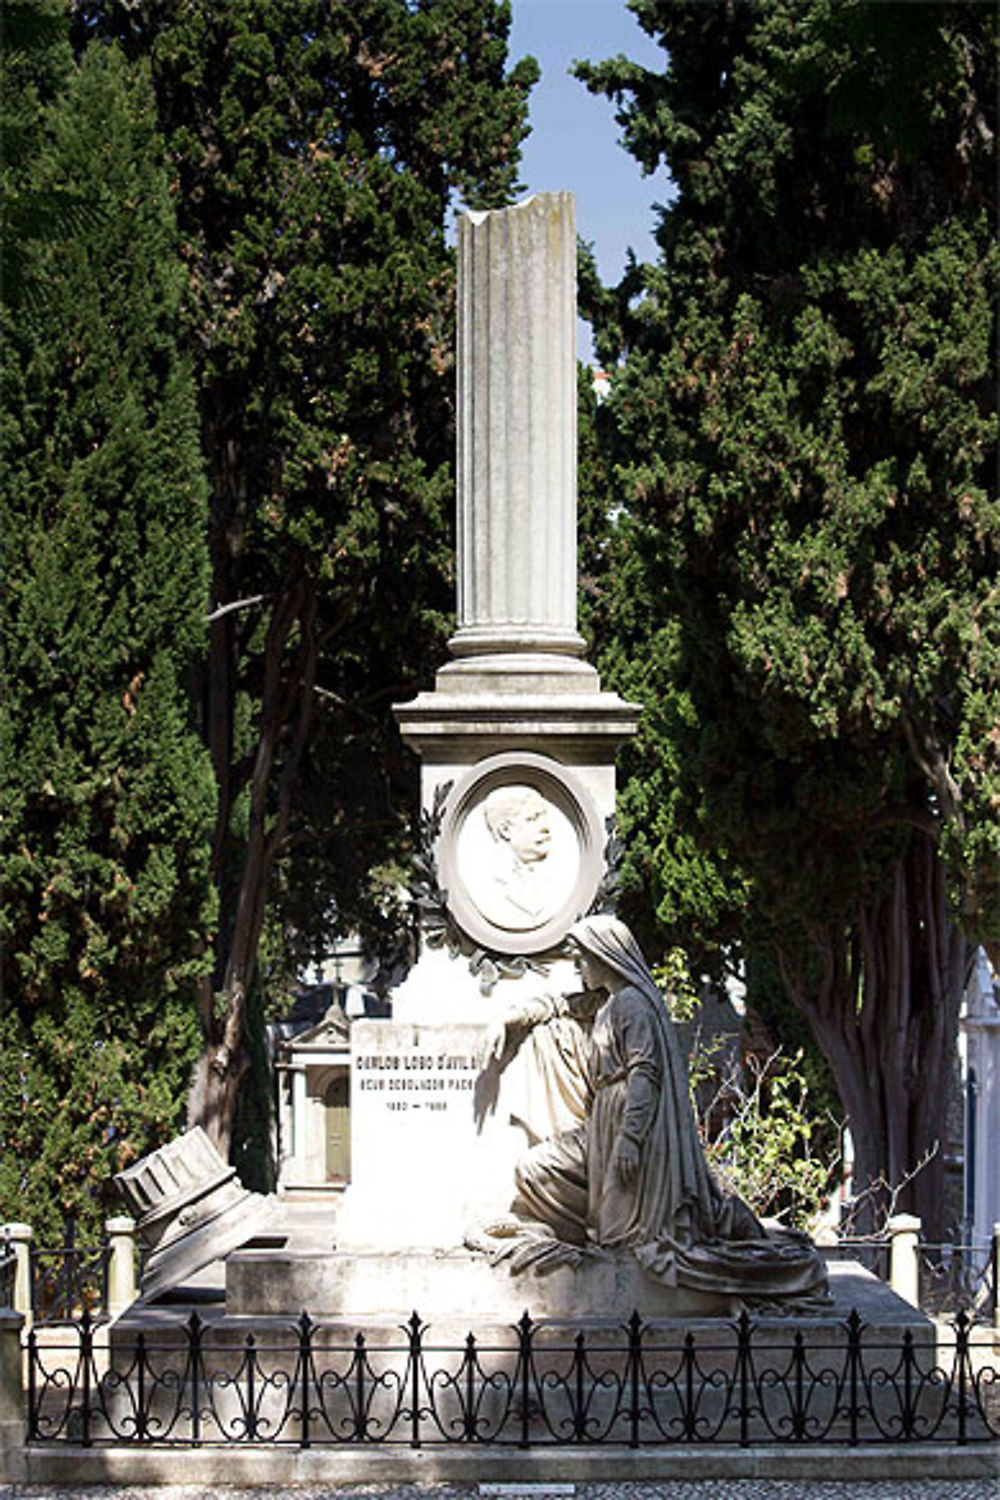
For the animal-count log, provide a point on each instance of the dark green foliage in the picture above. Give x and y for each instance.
(34, 54)
(108, 796)
(316, 151)
(804, 436)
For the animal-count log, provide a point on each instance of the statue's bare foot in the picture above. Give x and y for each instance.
(503, 1228)
(499, 1236)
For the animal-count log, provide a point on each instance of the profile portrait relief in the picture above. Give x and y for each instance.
(519, 852)
(518, 857)
(514, 891)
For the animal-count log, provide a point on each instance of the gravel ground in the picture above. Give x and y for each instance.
(676, 1489)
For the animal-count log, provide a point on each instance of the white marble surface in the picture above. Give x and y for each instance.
(517, 429)
(518, 680)
(432, 1151)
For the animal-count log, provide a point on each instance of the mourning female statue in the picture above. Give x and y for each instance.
(632, 1175)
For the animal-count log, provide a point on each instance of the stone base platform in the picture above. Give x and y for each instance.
(293, 1265)
(885, 1316)
(784, 1349)
(652, 1471)
(460, 1289)
(268, 1295)
(453, 1284)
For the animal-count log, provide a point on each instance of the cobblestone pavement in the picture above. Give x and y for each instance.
(675, 1489)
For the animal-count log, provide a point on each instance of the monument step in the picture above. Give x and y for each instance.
(462, 1289)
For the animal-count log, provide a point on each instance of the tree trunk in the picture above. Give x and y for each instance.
(285, 715)
(885, 1013)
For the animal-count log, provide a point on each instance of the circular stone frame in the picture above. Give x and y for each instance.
(556, 784)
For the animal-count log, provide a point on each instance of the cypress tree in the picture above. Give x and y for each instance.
(804, 432)
(107, 793)
(317, 150)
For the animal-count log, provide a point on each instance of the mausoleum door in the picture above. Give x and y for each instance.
(336, 1104)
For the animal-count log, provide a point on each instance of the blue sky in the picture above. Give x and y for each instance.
(574, 139)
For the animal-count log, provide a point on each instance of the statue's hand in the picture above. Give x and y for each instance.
(627, 1156)
(494, 1044)
(515, 1022)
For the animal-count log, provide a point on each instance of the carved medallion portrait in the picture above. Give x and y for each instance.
(520, 852)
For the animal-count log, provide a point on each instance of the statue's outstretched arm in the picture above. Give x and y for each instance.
(512, 1025)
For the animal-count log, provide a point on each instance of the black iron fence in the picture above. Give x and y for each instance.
(870, 1251)
(8, 1271)
(956, 1276)
(69, 1279)
(538, 1384)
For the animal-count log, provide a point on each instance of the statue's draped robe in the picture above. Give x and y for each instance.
(672, 1214)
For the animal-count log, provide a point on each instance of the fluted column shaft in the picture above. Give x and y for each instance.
(517, 430)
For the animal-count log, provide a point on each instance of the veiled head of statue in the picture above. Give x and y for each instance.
(612, 944)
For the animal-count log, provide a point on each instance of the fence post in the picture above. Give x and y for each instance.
(904, 1267)
(11, 1398)
(20, 1236)
(996, 1280)
(122, 1287)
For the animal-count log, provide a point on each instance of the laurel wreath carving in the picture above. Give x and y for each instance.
(438, 926)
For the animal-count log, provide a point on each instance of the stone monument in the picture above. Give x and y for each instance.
(517, 708)
(522, 1135)
(517, 745)
(492, 1059)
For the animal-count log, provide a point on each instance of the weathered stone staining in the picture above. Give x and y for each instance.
(191, 1209)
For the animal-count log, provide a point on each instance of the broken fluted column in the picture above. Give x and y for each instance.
(518, 678)
(517, 430)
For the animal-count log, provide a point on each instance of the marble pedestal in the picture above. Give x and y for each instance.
(460, 1291)
(435, 1135)
(455, 1286)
